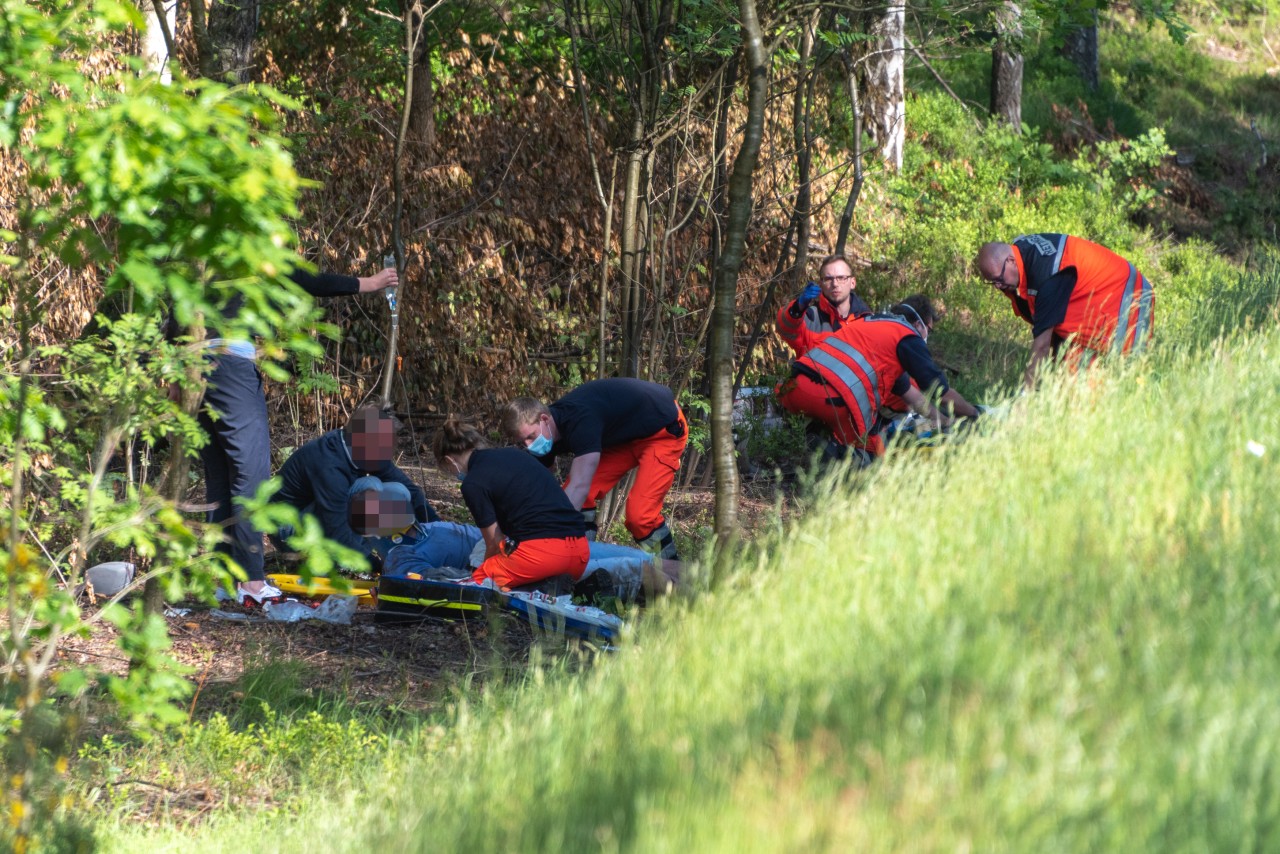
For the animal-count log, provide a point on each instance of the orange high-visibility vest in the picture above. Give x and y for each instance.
(1112, 305)
(818, 321)
(859, 364)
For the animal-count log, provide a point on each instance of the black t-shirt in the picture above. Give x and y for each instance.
(919, 365)
(604, 413)
(509, 486)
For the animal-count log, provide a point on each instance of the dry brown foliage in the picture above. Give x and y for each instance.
(503, 227)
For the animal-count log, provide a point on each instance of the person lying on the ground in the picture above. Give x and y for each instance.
(822, 307)
(383, 513)
(531, 530)
(318, 477)
(610, 427)
(844, 380)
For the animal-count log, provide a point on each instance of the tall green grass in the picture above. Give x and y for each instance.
(1063, 634)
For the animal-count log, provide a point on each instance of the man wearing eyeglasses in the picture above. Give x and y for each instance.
(1072, 292)
(822, 307)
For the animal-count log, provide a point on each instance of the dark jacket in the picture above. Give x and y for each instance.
(318, 477)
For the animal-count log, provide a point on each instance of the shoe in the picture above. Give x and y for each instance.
(247, 599)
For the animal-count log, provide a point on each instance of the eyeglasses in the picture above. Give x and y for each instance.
(830, 280)
(998, 278)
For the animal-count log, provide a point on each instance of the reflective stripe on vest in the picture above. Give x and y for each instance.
(817, 321)
(852, 381)
(1144, 313)
(1062, 247)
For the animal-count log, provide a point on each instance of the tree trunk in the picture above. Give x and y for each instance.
(885, 83)
(720, 181)
(632, 251)
(855, 109)
(802, 140)
(233, 26)
(157, 41)
(1081, 47)
(422, 118)
(1006, 66)
(724, 309)
(206, 56)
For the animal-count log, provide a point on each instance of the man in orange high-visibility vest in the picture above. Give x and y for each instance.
(822, 307)
(1071, 291)
(846, 378)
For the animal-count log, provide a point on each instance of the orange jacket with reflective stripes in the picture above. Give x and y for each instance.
(859, 364)
(817, 321)
(1112, 305)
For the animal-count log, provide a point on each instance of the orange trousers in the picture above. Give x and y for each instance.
(656, 460)
(535, 560)
(806, 396)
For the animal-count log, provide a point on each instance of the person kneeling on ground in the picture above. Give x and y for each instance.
(531, 529)
(383, 512)
(844, 380)
(610, 427)
(318, 477)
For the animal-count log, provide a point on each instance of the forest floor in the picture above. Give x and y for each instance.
(413, 668)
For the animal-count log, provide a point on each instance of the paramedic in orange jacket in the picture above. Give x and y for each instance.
(610, 427)
(1071, 290)
(823, 307)
(845, 379)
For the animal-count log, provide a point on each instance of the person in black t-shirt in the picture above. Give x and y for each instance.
(610, 427)
(237, 457)
(531, 531)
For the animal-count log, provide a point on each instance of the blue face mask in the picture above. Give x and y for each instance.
(540, 446)
(462, 475)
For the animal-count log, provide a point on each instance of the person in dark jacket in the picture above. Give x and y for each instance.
(319, 477)
(237, 457)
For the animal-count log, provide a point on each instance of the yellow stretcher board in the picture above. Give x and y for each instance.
(321, 587)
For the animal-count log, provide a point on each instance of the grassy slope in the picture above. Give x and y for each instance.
(1061, 635)
(1068, 642)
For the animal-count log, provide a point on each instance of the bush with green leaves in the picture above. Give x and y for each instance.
(183, 197)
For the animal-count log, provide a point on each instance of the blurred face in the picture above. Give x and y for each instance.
(373, 441)
(1003, 276)
(837, 282)
(374, 516)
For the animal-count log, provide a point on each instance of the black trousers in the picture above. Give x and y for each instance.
(237, 458)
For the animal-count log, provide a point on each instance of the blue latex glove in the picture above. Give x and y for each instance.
(808, 295)
(806, 298)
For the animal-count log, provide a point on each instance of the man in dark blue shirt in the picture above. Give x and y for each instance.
(318, 477)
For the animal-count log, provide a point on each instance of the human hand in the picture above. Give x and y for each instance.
(386, 278)
(811, 292)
